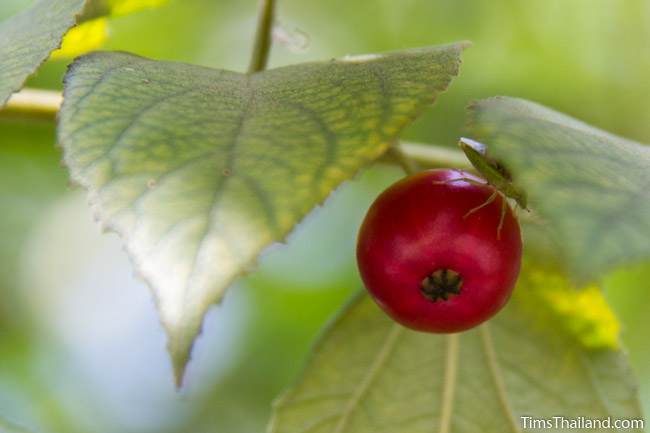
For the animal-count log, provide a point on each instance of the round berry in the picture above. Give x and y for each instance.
(440, 254)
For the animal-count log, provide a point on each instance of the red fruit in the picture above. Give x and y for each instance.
(430, 264)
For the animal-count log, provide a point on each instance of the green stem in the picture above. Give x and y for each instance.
(33, 103)
(396, 153)
(435, 156)
(414, 156)
(263, 37)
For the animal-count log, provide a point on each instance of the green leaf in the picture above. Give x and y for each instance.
(27, 39)
(369, 374)
(628, 290)
(200, 169)
(592, 187)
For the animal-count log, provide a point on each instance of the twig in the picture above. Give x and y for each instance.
(33, 103)
(44, 104)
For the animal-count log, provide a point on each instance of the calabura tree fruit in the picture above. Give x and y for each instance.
(437, 254)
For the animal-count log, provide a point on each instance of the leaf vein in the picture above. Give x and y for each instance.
(385, 350)
(449, 382)
(497, 376)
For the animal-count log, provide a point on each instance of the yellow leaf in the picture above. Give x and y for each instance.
(92, 34)
(583, 312)
(86, 37)
(124, 7)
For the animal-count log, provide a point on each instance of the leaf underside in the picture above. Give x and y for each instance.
(27, 39)
(200, 169)
(592, 187)
(370, 375)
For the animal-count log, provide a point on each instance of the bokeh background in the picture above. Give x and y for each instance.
(81, 348)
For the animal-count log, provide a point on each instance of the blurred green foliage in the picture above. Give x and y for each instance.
(588, 58)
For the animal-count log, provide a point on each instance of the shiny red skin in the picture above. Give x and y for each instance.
(416, 227)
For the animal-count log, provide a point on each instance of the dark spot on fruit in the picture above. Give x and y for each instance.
(441, 284)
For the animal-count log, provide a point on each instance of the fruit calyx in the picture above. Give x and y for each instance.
(441, 284)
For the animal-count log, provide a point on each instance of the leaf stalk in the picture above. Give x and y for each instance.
(263, 37)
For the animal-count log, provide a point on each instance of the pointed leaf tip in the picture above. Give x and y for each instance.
(200, 169)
